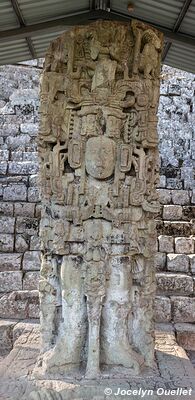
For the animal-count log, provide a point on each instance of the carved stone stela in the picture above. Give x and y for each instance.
(99, 167)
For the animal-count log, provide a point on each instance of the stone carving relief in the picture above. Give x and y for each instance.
(98, 158)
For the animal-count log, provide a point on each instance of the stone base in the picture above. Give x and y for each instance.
(173, 377)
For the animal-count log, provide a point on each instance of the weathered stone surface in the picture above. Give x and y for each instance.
(22, 243)
(160, 261)
(174, 229)
(20, 305)
(183, 309)
(15, 193)
(184, 245)
(24, 209)
(180, 197)
(7, 224)
(174, 283)
(31, 281)
(3, 167)
(24, 328)
(10, 262)
(164, 196)
(6, 242)
(172, 212)
(6, 209)
(35, 243)
(98, 173)
(31, 129)
(27, 225)
(185, 334)
(178, 262)
(33, 194)
(22, 168)
(31, 261)
(162, 308)
(192, 262)
(173, 364)
(10, 281)
(166, 244)
(6, 336)
(189, 213)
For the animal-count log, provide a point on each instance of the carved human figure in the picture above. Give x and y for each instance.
(149, 57)
(98, 176)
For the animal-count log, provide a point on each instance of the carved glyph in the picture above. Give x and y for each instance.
(98, 171)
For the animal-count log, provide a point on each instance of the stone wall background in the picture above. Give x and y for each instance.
(20, 207)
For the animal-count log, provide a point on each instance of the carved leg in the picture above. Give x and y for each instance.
(73, 308)
(66, 353)
(94, 308)
(116, 346)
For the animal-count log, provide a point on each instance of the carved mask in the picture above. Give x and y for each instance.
(100, 157)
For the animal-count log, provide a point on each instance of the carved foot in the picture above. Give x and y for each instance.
(119, 355)
(92, 374)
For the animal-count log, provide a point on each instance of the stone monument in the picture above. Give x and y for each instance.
(98, 171)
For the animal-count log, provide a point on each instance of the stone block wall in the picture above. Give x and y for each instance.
(19, 198)
(20, 207)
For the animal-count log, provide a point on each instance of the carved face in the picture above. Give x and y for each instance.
(100, 157)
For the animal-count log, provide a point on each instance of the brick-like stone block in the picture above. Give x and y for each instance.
(183, 309)
(184, 245)
(166, 244)
(10, 280)
(17, 155)
(15, 192)
(176, 228)
(33, 194)
(31, 280)
(22, 243)
(193, 196)
(188, 213)
(6, 336)
(6, 242)
(3, 167)
(164, 196)
(180, 197)
(30, 156)
(178, 262)
(35, 243)
(174, 183)
(4, 155)
(185, 334)
(160, 261)
(24, 209)
(7, 224)
(10, 262)
(172, 213)
(162, 183)
(30, 128)
(23, 304)
(27, 225)
(192, 263)
(33, 180)
(22, 168)
(174, 283)
(31, 261)
(6, 209)
(162, 309)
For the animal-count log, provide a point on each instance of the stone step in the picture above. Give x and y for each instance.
(185, 334)
(11, 330)
(21, 304)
